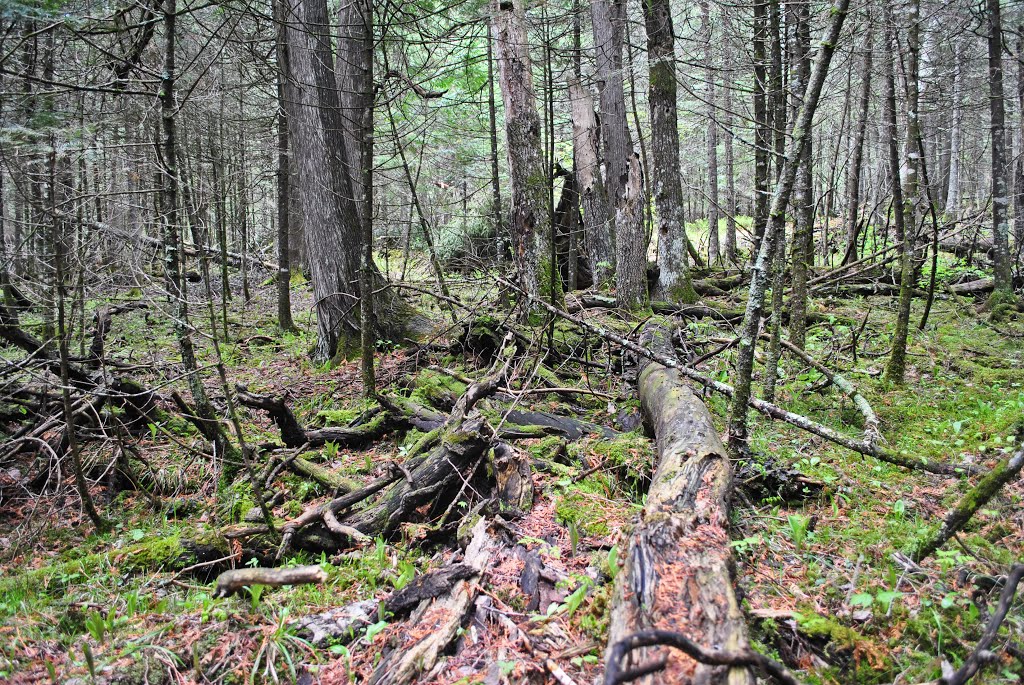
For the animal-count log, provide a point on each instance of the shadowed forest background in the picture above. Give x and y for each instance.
(511, 342)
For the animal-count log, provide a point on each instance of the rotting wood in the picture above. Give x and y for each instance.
(293, 434)
(442, 617)
(676, 568)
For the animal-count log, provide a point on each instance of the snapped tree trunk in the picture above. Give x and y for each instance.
(676, 573)
(597, 223)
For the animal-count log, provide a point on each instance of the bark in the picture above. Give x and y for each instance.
(530, 224)
(622, 168)
(441, 618)
(631, 243)
(674, 278)
(803, 195)
(853, 177)
(952, 208)
(597, 224)
(766, 252)
(1018, 181)
(501, 239)
(230, 582)
(334, 227)
(284, 273)
(1000, 191)
(762, 136)
(730, 171)
(714, 252)
(896, 366)
(676, 574)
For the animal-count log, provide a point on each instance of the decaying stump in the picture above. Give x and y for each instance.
(676, 573)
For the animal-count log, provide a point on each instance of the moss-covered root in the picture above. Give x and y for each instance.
(975, 499)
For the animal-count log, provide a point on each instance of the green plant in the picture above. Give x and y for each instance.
(798, 526)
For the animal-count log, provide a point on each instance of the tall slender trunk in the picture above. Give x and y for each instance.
(803, 196)
(284, 273)
(1018, 191)
(530, 224)
(1000, 192)
(853, 176)
(730, 170)
(492, 119)
(903, 203)
(674, 279)
(780, 200)
(953, 183)
(714, 251)
(762, 130)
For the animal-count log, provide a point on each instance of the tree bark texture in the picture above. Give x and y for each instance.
(674, 278)
(597, 222)
(1000, 190)
(530, 224)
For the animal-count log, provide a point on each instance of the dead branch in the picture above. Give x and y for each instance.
(230, 582)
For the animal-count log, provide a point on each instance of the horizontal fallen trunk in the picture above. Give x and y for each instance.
(294, 435)
(676, 572)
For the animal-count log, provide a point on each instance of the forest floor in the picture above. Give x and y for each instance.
(815, 569)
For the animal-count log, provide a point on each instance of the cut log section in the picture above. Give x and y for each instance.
(676, 570)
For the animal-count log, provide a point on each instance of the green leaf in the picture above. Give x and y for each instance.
(862, 599)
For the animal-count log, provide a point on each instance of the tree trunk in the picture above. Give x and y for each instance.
(284, 273)
(952, 208)
(896, 366)
(1000, 191)
(730, 171)
(530, 224)
(677, 566)
(624, 191)
(674, 273)
(762, 131)
(780, 200)
(597, 225)
(803, 196)
(714, 252)
(853, 176)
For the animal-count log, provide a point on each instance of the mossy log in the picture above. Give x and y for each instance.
(676, 570)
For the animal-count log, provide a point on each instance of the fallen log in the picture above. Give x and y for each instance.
(766, 408)
(293, 434)
(676, 572)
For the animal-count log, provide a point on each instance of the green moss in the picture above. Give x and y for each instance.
(547, 449)
(438, 389)
(149, 555)
(576, 508)
(828, 629)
